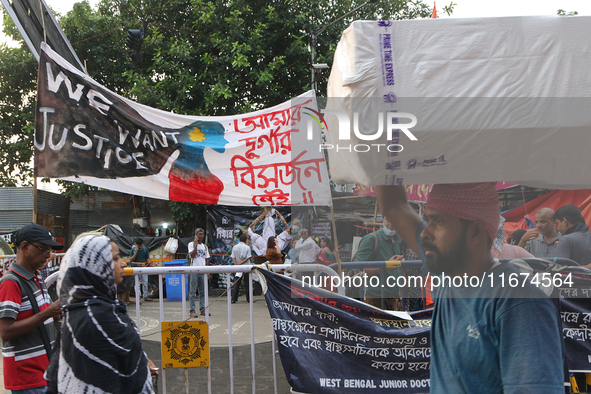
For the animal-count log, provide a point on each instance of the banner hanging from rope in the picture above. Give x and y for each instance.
(332, 344)
(86, 133)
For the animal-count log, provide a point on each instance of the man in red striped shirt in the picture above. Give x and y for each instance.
(23, 348)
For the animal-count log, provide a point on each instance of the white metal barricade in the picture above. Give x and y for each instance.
(219, 269)
(53, 265)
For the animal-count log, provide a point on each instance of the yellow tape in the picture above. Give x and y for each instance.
(393, 264)
(128, 271)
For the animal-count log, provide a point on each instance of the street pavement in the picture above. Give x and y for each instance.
(219, 330)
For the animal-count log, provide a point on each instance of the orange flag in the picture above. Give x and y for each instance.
(434, 11)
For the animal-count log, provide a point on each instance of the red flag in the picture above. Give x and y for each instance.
(434, 11)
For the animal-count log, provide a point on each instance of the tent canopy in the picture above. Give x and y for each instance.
(553, 200)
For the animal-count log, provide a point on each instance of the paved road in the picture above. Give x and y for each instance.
(218, 321)
(219, 333)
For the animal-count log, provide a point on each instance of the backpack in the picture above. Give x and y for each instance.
(25, 289)
(376, 248)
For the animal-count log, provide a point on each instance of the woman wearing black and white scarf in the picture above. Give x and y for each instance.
(99, 350)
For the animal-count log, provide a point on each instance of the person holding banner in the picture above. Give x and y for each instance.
(259, 242)
(490, 338)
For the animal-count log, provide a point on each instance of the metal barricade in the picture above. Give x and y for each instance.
(383, 266)
(54, 264)
(293, 269)
(219, 269)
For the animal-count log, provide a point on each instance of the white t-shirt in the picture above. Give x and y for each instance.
(241, 251)
(200, 256)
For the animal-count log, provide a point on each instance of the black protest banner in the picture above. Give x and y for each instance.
(331, 344)
(575, 314)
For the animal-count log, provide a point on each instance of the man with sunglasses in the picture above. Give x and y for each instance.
(25, 333)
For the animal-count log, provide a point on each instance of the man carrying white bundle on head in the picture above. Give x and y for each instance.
(482, 339)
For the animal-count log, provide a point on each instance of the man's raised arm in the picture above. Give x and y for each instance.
(395, 207)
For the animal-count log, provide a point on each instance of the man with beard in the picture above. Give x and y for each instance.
(490, 338)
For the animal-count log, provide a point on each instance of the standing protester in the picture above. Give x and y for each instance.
(27, 313)
(482, 340)
(45, 270)
(273, 253)
(141, 256)
(327, 254)
(542, 241)
(241, 255)
(199, 258)
(293, 255)
(307, 248)
(382, 245)
(99, 350)
(575, 243)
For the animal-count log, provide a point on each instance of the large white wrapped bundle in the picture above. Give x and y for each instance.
(495, 99)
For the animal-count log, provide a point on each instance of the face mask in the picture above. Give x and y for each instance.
(388, 232)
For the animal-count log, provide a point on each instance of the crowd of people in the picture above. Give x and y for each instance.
(84, 341)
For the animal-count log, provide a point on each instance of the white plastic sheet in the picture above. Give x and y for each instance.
(495, 99)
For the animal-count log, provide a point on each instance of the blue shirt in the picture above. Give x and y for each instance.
(495, 339)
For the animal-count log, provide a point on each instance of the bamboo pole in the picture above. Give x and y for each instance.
(35, 199)
(336, 241)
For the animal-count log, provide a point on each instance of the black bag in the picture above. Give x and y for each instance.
(41, 327)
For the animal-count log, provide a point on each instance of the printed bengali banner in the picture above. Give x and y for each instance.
(87, 133)
(376, 351)
(331, 344)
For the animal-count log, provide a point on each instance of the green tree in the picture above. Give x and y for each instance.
(188, 217)
(18, 73)
(199, 57)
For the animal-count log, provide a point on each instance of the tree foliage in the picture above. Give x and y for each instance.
(188, 216)
(18, 75)
(199, 57)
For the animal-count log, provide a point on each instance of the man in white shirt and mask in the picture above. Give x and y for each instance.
(307, 248)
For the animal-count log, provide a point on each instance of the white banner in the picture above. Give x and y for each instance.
(86, 133)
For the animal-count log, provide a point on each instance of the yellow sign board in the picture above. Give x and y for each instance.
(185, 344)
